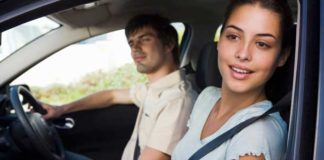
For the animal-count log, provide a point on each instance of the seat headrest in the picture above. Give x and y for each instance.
(282, 80)
(207, 73)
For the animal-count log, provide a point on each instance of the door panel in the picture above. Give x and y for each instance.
(100, 134)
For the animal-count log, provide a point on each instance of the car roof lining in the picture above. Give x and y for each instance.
(113, 17)
(115, 8)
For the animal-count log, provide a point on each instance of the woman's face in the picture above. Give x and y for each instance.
(249, 49)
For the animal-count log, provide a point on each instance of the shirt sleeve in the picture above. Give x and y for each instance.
(262, 137)
(136, 94)
(170, 125)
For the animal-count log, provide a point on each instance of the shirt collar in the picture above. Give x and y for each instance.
(168, 80)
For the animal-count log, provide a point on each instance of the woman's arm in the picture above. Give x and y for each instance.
(261, 157)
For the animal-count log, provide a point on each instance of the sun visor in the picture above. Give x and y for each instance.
(85, 16)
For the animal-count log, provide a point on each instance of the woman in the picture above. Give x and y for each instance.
(253, 43)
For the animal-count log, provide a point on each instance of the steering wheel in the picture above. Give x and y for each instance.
(43, 136)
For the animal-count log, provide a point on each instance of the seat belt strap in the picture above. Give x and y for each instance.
(283, 103)
(137, 150)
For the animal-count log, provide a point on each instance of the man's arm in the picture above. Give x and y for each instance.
(97, 100)
(153, 154)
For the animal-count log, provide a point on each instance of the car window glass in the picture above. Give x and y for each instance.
(180, 27)
(101, 62)
(217, 34)
(19, 36)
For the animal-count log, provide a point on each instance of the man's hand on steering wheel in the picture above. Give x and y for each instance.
(42, 135)
(52, 111)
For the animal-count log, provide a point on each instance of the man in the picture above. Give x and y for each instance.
(165, 102)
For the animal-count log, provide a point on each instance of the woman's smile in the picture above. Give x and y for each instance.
(240, 72)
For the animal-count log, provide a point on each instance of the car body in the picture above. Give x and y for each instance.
(102, 134)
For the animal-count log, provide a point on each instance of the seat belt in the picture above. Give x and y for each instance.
(282, 104)
(137, 150)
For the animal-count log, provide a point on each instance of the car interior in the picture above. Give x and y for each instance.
(103, 133)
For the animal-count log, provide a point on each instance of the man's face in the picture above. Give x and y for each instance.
(147, 50)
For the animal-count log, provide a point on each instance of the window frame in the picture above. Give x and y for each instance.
(302, 125)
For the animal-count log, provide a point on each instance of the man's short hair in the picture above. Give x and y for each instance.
(166, 32)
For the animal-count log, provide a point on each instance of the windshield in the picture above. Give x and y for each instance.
(19, 36)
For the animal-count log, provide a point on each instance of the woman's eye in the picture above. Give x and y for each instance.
(232, 37)
(262, 45)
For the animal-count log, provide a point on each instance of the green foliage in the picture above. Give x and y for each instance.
(123, 77)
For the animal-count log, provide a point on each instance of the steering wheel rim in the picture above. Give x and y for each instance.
(43, 136)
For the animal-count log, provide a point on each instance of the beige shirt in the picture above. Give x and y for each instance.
(164, 109)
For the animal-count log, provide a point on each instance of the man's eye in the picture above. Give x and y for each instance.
(263, 45)
(130, 44)
(145, 39)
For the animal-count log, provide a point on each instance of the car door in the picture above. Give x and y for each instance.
(302, 140)
(319, 136)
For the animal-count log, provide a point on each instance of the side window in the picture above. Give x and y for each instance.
(98, 63)
(217, 34)
(19, 36)
(101, 62)
(180, 27)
